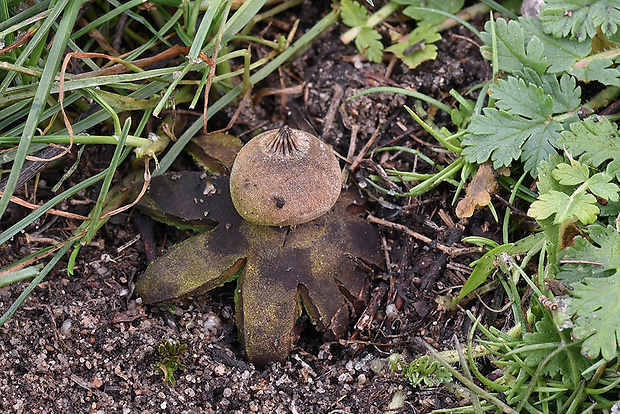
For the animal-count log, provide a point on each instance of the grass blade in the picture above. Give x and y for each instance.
(51, 67)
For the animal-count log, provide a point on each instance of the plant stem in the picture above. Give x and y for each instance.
(132, 141)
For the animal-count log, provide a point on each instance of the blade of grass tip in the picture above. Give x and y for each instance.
(105, 105)
(177, 78)
(199, 89)
(34, 283)
(442, 140)
(106, 182)
(39, 36)
(20, 275)
(193, 129)
(38, 104)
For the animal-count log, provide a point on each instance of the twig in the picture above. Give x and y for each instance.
(369, 144)
(452, 251)
(331, 111)
(55, 212)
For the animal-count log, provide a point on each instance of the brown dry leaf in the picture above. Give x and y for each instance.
(311, 266)
(478, 192)
(215, 152)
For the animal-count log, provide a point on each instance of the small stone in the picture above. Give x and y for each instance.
(220, 369)
(65, 327)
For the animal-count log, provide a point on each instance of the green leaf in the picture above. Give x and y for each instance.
(574, 174)
(513, 50)
(594, 140)
(579, 205)
(353, 14)
(524, 127)
(580, 18)
(504, 137)
(515, 96)
(601, 186)
(484, 266)
(600, 70)
(565, 92)
(417, 48)
(597, 260)
(546, 182)
(428, 16)
(596, 304)
(561, 53)
(368, 42)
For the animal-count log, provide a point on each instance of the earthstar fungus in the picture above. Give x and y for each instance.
(280, 271)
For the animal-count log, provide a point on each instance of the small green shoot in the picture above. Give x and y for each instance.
(171, 354)
(421, 371)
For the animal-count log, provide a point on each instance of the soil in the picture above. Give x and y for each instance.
(85, 343)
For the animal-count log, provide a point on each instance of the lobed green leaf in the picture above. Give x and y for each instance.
(353, 14)
(514, 52)
(574, 174)
(600, 70)
(580, 18)
(515, 96)
(581, 206)
(368, 41)
(594, 140)
(597, 308)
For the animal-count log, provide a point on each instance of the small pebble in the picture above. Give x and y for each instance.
(220, 369)
(65, 327)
